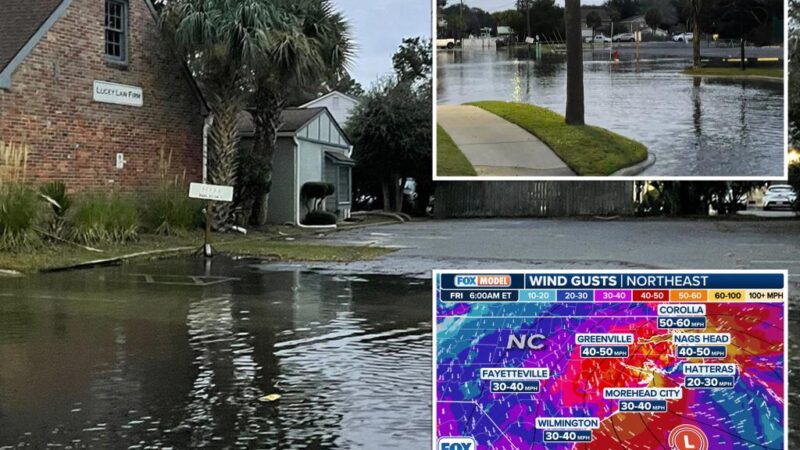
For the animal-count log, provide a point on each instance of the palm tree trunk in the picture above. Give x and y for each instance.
(223, 136)
(267, 121)
(572, 18)
(696, 34)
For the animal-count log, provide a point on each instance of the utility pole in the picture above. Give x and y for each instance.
(528, 7)
(463, 25)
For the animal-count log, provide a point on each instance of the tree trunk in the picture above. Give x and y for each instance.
(741, 43)
(387, 199)
(399, 185)
(572, 19)
(223, 138)
(267, 121)
(696, 34)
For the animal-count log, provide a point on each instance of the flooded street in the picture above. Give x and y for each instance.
(711, 127)
(174, 354)
(162, 355)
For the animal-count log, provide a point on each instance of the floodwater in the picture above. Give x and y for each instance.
(161, 355)
(711, 127)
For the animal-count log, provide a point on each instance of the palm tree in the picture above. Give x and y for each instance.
(572, 18)
(220, 39)
(307, 43)
(697, 7)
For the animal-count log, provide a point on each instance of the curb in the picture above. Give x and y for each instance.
(10, 273)
(636, 169)
(118, 259)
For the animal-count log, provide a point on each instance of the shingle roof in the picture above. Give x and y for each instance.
(19, 21)
(293, 119)
(339, 157)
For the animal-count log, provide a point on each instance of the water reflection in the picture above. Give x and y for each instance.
(712, 127)
(108, 359)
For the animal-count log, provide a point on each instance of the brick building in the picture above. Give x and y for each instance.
(96, 93)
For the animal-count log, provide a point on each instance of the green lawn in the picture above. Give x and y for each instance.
(587, 150)
(736, 72)
(53, 256)
(450, 162)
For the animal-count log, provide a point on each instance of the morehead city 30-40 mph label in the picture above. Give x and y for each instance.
(607, 360)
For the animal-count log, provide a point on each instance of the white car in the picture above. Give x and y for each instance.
(779, 196)
(683, 37)
(446, 43)
(624, 37)
(598, 38)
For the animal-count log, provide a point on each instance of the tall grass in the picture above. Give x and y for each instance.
(168, 210)
(19, 205)
(105, 217)
(13, 162)
(19, 211)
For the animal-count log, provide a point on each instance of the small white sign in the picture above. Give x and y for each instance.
(118, 94)
(211, 192)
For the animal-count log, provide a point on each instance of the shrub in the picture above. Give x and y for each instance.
(168, 210)
(19, 211)
(320, 218)
(315, 191)
(56, 196)
(105, 217)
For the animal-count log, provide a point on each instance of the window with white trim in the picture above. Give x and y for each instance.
(344, 184)
(117, 30)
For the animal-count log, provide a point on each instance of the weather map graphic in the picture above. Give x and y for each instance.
(602, 360)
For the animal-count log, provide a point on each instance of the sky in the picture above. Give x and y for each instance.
(378, 28)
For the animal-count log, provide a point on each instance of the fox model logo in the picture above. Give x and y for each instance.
(456, 443)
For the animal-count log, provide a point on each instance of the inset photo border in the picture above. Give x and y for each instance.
(507, 107)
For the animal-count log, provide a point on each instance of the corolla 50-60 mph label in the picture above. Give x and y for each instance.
(610, 360)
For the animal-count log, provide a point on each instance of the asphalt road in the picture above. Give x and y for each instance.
(554, 243)
(591, 244)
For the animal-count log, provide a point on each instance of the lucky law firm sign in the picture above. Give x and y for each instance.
(118, 94)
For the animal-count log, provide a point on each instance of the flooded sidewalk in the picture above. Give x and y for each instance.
(496, 147)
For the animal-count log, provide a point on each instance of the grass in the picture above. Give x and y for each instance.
(737, 72)
(290, 251)
(587, 150)
(58, 256)
(450, 162)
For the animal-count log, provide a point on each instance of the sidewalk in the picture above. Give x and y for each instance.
(496, 147)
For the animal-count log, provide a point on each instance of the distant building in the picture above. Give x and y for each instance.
(631, 24)
(339, 104)
(503, 31)
(311, 147)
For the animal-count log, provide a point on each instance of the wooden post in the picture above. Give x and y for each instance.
(207, 251)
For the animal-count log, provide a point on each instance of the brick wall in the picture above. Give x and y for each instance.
(74, 139)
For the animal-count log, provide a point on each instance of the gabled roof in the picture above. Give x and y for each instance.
(21, 22)
(294, 119)
(330, 94)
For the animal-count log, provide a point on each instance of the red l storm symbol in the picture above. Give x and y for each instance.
(687, 437)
